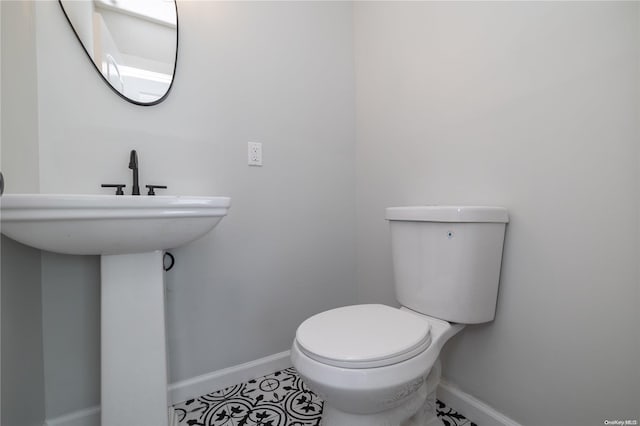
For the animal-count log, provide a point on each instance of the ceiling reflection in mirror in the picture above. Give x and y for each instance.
(132, 43)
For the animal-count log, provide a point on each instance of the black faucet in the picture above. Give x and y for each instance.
(133, 165)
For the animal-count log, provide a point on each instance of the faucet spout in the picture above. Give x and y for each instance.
(133, 165)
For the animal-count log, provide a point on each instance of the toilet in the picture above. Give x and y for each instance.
(377, 365)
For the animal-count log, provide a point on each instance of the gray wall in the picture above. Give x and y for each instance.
(19, 137)
(532, 106)
(277, 73)
(0, 226)
(71, 332)
(22, 386)
(21, 353)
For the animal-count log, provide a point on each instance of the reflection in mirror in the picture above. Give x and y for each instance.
(132, 43)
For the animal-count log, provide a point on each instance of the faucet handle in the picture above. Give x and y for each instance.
(118, 187)
(153, 187)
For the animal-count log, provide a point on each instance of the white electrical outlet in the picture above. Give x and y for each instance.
(255, 154)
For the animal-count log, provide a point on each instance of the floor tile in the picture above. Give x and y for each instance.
(278, 399)
(450, 417)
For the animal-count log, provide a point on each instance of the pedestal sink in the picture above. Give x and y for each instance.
(129, 233)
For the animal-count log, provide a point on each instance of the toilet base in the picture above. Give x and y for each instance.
(418, 410)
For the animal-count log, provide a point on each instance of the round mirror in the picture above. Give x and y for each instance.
(132, 43)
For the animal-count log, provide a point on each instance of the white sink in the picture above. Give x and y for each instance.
(108, 224)
(129, 233)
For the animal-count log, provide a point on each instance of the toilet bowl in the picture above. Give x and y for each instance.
(372, 364)
(375, 365)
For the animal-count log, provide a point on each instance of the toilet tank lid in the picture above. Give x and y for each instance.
(448, 214)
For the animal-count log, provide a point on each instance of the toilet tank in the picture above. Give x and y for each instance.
(447, 260)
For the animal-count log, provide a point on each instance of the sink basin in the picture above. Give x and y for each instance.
(129, 233)
(108, 224)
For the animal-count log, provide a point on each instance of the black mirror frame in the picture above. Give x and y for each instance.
(175, 64)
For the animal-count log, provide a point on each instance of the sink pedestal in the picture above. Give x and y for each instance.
(134, 356)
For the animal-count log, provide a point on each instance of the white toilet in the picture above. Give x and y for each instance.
(376, 365)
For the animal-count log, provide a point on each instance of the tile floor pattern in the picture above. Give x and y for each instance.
(279, 399)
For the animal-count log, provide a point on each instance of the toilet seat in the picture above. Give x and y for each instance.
(363, 336)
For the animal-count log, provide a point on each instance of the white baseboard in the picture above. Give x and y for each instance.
(191, 388)
(474, 409)
(471, 407)
(87, 417)
(207, 383)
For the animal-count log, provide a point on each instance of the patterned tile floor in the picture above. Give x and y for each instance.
(279, 399)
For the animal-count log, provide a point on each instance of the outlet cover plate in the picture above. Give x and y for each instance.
(254, 154)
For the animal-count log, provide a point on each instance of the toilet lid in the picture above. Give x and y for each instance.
(363, 336)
